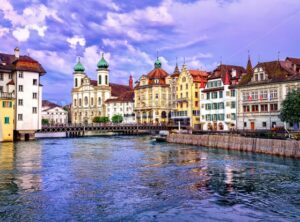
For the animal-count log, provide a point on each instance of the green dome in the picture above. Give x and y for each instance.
(102, 64)
(157, 64)
(79, 67)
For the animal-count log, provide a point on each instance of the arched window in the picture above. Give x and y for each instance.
(75, 102)
(99, 80)
(99, 100)
(92, 101)
(106, 80)
(79, 102)
(86, 101)
(76, 82)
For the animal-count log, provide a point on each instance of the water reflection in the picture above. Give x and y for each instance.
(132, 179)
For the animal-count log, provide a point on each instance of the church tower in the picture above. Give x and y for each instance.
(102, 72)
(78, 74)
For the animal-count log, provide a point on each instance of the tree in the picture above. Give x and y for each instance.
(45, 122)
(290, 111)
(117, 119)
(98, 119)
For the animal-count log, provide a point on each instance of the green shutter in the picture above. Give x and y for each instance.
(6, 120)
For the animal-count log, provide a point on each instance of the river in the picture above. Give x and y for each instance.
(127, 178)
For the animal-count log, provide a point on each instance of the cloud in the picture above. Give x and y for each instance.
(3, 31)
(21, 34)
(76, 40)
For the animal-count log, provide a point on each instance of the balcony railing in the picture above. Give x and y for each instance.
(6, 95)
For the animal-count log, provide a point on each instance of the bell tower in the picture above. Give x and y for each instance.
(103, 72)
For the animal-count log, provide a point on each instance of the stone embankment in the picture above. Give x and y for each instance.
(287, 148)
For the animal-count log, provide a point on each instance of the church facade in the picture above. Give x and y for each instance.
(89, 96)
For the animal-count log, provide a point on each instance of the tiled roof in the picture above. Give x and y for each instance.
(221, 70)
(198, 75)
(116, 89)
(294, 60)
(277, 71)
(11, 82)
(157, 73)
(176, 72)
(46, 103)
(127, 96)
(23, 63)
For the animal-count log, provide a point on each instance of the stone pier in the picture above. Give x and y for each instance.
(287, 148)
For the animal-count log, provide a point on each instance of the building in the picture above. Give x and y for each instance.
(152, 96)
(173, 87)
(187, 110)
(53, 114)
(20, 77)
(261, 92)
(218, 98)
(89, 96)
(7, 116)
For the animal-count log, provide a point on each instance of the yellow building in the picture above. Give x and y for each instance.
(152, 96)
(188, 97)
(6, 117)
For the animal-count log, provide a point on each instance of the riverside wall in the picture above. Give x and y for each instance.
(287, 148)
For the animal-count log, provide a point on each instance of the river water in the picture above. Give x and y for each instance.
(133, 179)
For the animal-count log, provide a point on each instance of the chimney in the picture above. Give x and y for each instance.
(17, 52)
(130, 82)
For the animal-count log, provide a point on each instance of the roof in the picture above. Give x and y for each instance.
(23, 63)
(11, 82)
(277, 71)
(198, 75)
(116, 89)
(46, 103)
(221, 70)
(127, 96)
(176, 72)
(294, 60)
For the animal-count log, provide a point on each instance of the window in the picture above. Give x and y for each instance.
(264, 108)
(180, 87)
(1, 88)
(76, 82)
(214, 95)
(261, 77)
(106, 80)
(10, 76)
(196, 94)
(245, 96)
(221, 94)
(100, 80)
(208, 117)
(34, 110)
(233, 116)
(6, 120)
(20, 88)
(75, 102)
(233, 105)
(273, 124)
(208, 96)
(264, 124)
(34, 82)
(20, 117)
(215, 106)
(1, 76)
(92, 101)
(99, 100)
(208, 106)
(263, 95)
(20, 74)
(7, 104)
(187, 95)
(256, 77)
(221, 117)
(245, 124)
(79, 102)
(221, 105)
(274, 107)
(34, 95)
(86, 101)
(273, 94)
(196, 103)
(156, 96)
(246, 109)
(254, 108)
(232, 93)
(20, 102)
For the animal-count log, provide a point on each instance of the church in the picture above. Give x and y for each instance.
(89, 96)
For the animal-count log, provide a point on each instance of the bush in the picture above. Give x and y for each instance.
(117, 119)
(99, 119)
(45, 122)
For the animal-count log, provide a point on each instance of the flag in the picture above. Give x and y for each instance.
(260, 97)
(250, 98)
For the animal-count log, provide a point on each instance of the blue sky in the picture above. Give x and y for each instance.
(130, 33)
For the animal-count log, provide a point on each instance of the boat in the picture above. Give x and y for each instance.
(161, 137)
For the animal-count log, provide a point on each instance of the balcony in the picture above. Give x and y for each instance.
(6, 95)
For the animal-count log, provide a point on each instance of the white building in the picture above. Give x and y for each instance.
(261, 93)
(89, 96)
(54, 114)
(123, 105)
(218, 98)
(21, 75)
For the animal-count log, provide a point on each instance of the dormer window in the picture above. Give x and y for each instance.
(156, 81)
(262, 77)
(233, 73)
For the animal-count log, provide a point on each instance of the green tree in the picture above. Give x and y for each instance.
(290, 107)
(117, 119)
(45, 122)
(99, 119)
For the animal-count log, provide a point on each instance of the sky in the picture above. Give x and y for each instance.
(132, 33)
